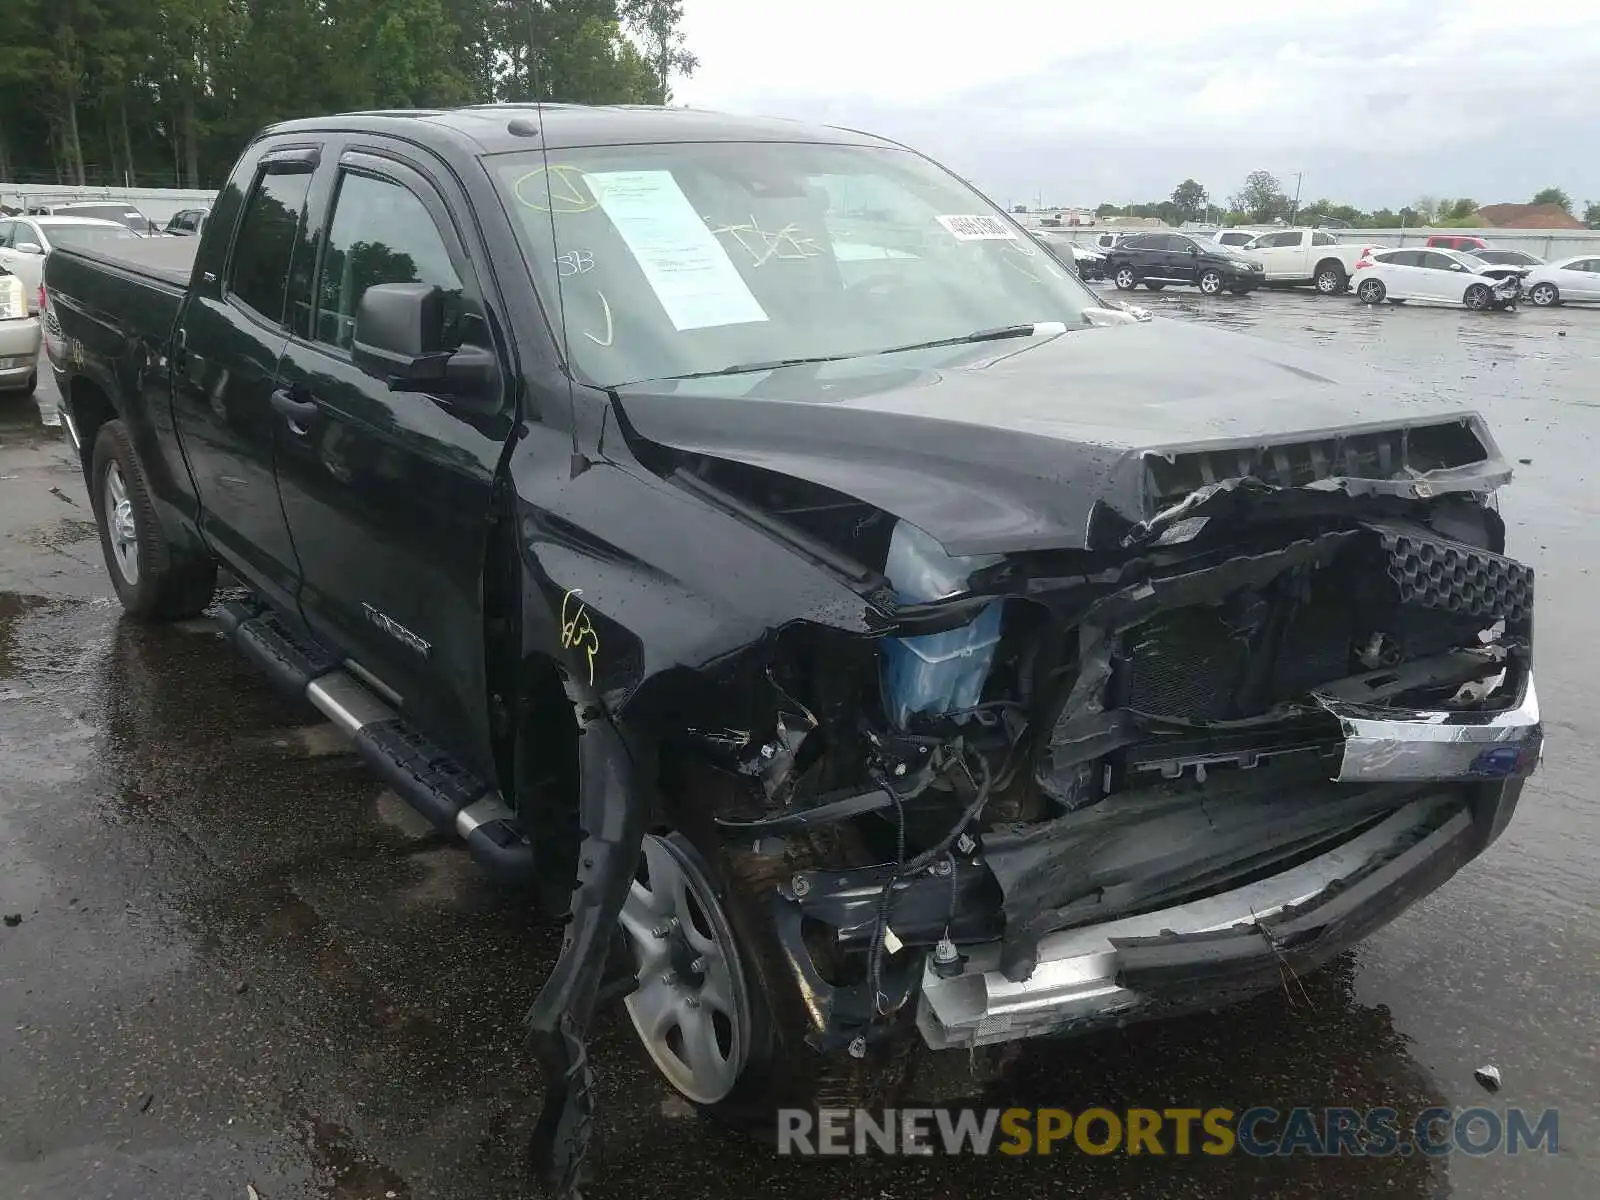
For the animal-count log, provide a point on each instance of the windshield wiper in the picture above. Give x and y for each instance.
(998, 333)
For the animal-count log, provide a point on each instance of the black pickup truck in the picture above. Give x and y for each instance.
(746, 536)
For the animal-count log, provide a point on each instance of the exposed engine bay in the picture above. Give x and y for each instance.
(1042, 742)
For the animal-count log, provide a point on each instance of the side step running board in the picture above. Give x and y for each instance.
(453, 799)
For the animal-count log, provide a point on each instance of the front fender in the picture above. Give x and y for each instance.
(630, 577)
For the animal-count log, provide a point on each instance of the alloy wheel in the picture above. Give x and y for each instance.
(120, 523)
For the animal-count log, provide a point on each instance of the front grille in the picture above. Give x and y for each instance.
(1378, 454)
(1439, 573)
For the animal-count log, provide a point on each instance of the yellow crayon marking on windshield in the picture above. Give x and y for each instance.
(563, 187)
(577, 630)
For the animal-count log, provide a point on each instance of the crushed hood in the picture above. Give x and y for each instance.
(1014, 447)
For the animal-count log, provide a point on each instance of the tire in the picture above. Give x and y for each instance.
(1371, 291)
(778, 1068)
(1211, 283)
(155, 579)
(1330, 280)
(1125, 279)
(1478, 297)
(1155, 287)
(1544, 295)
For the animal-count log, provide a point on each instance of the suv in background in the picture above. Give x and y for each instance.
(1157, 259)
(1456, 241)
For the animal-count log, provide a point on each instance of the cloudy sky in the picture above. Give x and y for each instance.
(1376, 102)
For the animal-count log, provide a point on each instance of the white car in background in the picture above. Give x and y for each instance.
(1435, 275)
(1574, 280)
(1306, 256)
(25, 241)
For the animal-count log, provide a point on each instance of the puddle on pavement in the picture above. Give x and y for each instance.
(12, 609)
(341, 1170)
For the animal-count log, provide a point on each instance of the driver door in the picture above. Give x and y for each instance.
(387, 493)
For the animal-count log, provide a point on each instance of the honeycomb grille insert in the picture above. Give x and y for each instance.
(1437, 573)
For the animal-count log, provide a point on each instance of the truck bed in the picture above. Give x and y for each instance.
(119, 305)
(169, 260)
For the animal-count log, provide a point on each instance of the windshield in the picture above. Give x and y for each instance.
(686, 258)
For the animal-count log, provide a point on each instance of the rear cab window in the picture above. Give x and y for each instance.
(257, 274)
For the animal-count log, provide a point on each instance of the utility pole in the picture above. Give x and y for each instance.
(1295, 207)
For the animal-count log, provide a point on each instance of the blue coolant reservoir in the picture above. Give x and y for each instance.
(937, 673)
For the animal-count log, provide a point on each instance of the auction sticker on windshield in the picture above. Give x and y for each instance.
(682, 261)
(977, 229)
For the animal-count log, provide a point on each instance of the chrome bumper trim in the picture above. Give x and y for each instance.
(1392, 745)
(1077, 970)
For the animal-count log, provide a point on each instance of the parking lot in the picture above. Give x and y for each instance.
(240, 964)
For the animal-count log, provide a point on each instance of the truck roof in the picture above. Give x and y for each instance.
(486, 127)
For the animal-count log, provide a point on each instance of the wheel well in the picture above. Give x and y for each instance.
(91, 408)
(545, 792)
(1329, 262)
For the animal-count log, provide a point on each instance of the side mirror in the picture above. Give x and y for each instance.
(399, 337)
(28, 248)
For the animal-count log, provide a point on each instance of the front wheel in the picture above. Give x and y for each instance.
(1544, 295)
(717, 1006)
(154, 578)
(1210, 282)
(1330, 281)
(1371, 291)
(1478, 297)
(1125, 279)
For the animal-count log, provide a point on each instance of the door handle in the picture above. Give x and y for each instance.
(300, 413)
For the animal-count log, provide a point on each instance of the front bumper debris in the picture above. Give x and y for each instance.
(1399, 745)
(1221, 947)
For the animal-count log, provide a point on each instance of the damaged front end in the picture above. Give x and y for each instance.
(1216, 745)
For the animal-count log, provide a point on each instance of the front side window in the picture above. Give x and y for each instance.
(258, 271)
(678, 259)
(1323, 239)
(381, 233)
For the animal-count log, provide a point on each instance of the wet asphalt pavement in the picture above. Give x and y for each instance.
(241, 963)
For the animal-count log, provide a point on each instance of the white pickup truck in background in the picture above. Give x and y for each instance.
(1305, 256)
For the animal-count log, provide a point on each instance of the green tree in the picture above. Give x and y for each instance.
(1463, 209)
(169, 92)
(1554, 195)
(1261, 197)
(1591, 214)
(1425, 209)
(1189, 200)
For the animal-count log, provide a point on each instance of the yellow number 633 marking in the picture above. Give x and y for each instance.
(577, 630)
